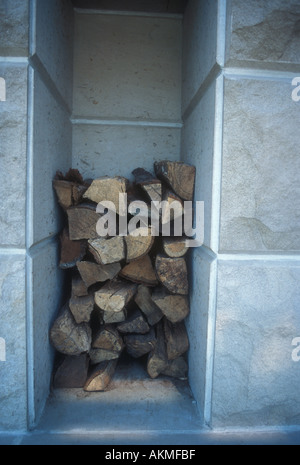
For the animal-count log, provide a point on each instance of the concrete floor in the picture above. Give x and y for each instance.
(136, 410)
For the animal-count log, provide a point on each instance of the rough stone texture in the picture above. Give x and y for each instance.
(261, 165)
(14, 27)
(98, 149)
(13, 114)
(52, 152)
(199, 46)
(127, 67)
(54, 42)
(256, 382)
(13, 388)
(265, 33)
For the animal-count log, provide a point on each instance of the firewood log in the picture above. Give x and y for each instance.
(172, 273)
(175, 247)
(92, 273)
(70, 251)
(107, 250)
(71, 371)
(82, 221)
(145, 303)
(140, 271)
(175, 307)
(140, 344)
(107, 337)
(138, 246)
(81, 308)
(157, 359)
(150, 185)
(135, 323)
(115, 295)
(108, 189)
(100, 376)
(176, 339)
(180, 177)
(177, 368)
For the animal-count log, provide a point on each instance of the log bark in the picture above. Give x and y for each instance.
(135, 323)
(71, 371)
(108, 337)
(157, 359)
(92, 273)
(150, 185)
(138, 246)
(100, 376)
(115, 295)
(140, 344)
(180, 177)
(140, 271)
(176, 339)
(172, 273)
(145, 303)
(64, 192)
(177, 368)
(81, 308)
(70, 251)
(107, 250)
(82, 221)
(175, 247)
(67, 336)
(175, 307)
(107, 188)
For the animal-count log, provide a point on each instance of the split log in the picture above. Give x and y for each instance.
(82, 221)
(157, 359)
(115, 295)
(100, 376)
(114, 317)
(176, 339)
(64, 192)
(175, 307)
(177, 368)
(173, 208)
(140, 344)
(140, 271)
(70, 251)
(145, 303)
(68, 337)
(180, 177)
(172, 273)
(92, 273)
(100, 355)
(107, 188)
(150, 185)
(79, 288)
(175, 247)
(139, 246)
(107, 250)
(108, 337)
(81, 308)
(71, 371)
(135, 323)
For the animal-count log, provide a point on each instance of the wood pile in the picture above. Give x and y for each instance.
(128, 293)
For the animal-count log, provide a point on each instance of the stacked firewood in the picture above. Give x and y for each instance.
(128, 293)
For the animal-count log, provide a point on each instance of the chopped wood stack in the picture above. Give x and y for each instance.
(128, 293)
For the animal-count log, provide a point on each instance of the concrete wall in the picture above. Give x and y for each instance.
(127, 92)
(240, 129)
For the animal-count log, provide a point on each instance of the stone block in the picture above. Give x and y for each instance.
(13, 125)
(14, 26)
(260, 210)
(127, 67)
(117, 150)
(256, 381)
(265, 34)
(13, 384)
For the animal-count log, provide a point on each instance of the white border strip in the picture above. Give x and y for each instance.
(90, 11)
(263, 74)
(17, 60)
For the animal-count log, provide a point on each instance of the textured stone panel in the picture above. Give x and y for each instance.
(52, 151)
(260, 210)
(256, 382)
(13, 394)
(197, 148)
(199, 53)
(264, 33)
(14, 27)
(127, 67)
(47, 292)
(54, 43)
(13, 127)
(117, 150)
